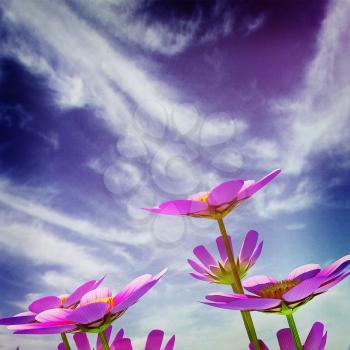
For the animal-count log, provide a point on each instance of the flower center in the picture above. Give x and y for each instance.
(108, 300)
(277, 290)
(203, 198)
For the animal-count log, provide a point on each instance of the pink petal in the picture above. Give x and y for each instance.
(123, 344)
(61, 347)
(303, 289)
(221, 247)
(81, 341)
(247, 303)
(255, 283)
(262, 346)
(256, 254)
(226, 192)
(42, 328)
(54, 315)
(285, 339)
(244, 191)
(45, 303)
(196, 267)
(331, 283)
(170, 344)
(18, 319)
(248, 246)
(179, 207)
(200, 277)
(336, 267)
(89, 313)
(154, 340)
(204, 256)
(304, 272)
(263, 182)
(96, 294)
(80, 291)
(315, 337)
(118, 336)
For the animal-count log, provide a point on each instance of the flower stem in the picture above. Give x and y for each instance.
(294, 331)
(104, 340)
(237, 286)
(65, 341)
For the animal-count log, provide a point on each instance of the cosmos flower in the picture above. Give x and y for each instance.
(96, 311)
(316, 340)
(216, 203)
(65, 301)
(154, 341)
(220, 271)
(284, 297)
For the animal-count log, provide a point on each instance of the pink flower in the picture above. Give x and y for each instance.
(216, 203)
(65, 301)
(154, 341)
(284, 297)
(219, 271)
(96, 311)
(316, 340)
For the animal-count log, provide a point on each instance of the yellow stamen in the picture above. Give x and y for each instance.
(278, 289)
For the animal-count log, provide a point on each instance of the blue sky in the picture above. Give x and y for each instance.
(107, 107)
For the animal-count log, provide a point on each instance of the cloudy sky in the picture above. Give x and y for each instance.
(110, 106)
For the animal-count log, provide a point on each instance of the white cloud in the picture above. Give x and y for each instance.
(53, 217)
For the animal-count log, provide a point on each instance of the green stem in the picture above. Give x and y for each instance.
(65, 341)
(294, 331)
(104, 340)
(237, 286)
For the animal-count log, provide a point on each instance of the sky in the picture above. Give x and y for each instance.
(110, 106)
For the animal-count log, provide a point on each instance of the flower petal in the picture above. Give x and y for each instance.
(262, 346)
(248, 246)
(179, 207)
(18, 319)
(58, 316)
(221, 247)
(80, 291)
(315, 337)
(244, 191)
(262, 182)
(250, 304)
(226, 192)
(81, 341)
(304, 272)
(136, 289)
(200, 277)
(285, 339)
(204, 256)
(303, 289)
(196, 266)
(89, 313)
(61, 347)
(255, 283)
(95, 295)
(154, 340)
(256, 254)
(45, 303)
(337, 267)
(123, 344)
(41, 328)
(331, 283)
(117, 337)
(241, 302)
(170, 344)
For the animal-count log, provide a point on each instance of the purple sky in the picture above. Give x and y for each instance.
(106, 107)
